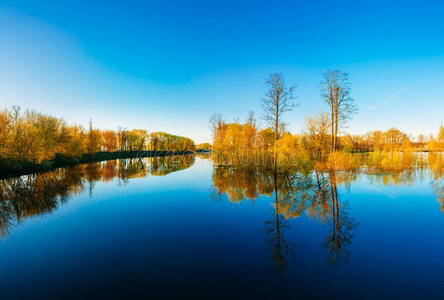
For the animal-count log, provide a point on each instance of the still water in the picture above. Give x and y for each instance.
(178, 227)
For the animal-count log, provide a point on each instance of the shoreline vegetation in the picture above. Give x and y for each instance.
(34, 142)
(322, 144)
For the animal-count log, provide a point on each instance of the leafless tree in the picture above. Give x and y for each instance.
(278, 100)
(251, 120)
(336, 92)
(215, 123)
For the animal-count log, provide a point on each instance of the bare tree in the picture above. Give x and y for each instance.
(336, 92)
(251, 120)
(278, 100)
(215, 123)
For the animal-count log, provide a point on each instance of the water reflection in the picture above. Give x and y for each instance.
(342, 225)
(318, 196)
(436, 162)
(37, 194)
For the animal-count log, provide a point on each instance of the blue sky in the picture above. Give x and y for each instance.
(169, 65)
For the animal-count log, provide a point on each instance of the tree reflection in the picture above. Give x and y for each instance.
(37, 194)
(282, 249)
(342, 224)
(317, 195)
(293, 194)
(436, 161)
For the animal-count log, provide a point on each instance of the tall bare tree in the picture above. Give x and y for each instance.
(215, 123)
(336, 92)
(278, 100)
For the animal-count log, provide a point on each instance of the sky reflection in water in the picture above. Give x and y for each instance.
(176, 226)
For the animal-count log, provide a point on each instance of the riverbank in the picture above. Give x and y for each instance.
(11, 168)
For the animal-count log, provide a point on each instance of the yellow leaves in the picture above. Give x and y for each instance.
(390, 161)
(240, 184)
(290, 151)
(243, 146)
(161, 141)
(437, 144)
(441, 134)
(109, 140)
(36, 137)
(317, 138)
(344, 161)
(75, 146)
(94, 141)
(204, 146)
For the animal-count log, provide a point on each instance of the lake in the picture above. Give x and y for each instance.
(176, 227)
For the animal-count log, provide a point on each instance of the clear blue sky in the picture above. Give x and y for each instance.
(169, 65)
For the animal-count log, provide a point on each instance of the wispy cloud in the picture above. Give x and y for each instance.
(387, 100)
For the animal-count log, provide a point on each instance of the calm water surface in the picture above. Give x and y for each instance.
(177, 227)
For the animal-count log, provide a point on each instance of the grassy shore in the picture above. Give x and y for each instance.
(11, 168)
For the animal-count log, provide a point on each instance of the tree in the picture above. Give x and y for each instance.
(394, 138)
(137, 139)
(441, 137)
(278, 100)
(336, 92)
(251, 121)
(216, 123)
(5, 131)
(421, 139)
(204, 146)
(109, 140)
(317, 136)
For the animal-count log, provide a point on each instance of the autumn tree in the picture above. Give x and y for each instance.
(137, 139)
(161, 141)
(317, 138)
(5, 130)
(203, 146)
(441, 137)
(437, 143)
(94, 142)
(421, 140)
(77, 140)
(336, 92)
(216, 123)
(375, 139)
(394, 138)
(109, 140)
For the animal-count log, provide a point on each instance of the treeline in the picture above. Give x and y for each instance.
(245, 144)
(140, 140)
(203, 147)
(320, 142)
(392, 140)
(34, 137)
(236, 141)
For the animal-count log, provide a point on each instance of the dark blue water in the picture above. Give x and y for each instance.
(193, 232)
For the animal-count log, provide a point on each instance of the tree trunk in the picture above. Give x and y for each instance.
(332, 128)
(336, 128)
